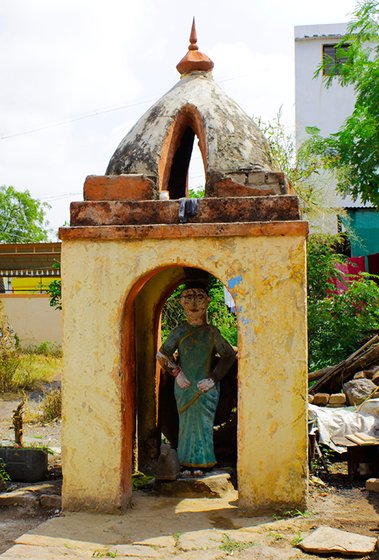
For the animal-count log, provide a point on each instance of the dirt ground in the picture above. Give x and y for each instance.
(333, 499)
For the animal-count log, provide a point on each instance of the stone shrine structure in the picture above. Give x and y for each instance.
(123, 254)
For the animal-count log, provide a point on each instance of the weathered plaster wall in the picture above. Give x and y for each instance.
(266, 278)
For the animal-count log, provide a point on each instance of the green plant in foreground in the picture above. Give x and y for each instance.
(276, 536)
(231, 545)
(297, 539)
(4, 476)
(104, 554)
(140, 480)
(292, 513)
(176, 537)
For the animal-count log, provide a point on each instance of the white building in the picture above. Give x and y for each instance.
(327, 109)
(316, 105)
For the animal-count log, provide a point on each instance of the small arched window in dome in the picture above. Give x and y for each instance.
(183, 155)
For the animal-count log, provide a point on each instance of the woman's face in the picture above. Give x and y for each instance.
(195, 303)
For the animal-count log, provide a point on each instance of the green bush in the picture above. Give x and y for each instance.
(4, 476)
(338, 323)
(45, 348)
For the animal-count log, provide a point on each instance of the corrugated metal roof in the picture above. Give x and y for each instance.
(29, 259)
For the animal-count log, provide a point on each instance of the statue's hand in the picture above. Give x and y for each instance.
(205, 384)
(182, 380)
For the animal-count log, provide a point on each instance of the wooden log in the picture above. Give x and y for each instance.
(365, 355)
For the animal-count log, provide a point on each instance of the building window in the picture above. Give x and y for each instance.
(332, 55)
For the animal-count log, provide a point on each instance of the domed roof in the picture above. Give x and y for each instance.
(229, 139)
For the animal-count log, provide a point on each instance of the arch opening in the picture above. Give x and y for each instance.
(177, 149)
(155, 412)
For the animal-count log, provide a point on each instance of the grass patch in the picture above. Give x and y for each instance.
(45, 348)
(26, 370)
(104, 554)
(296, 539)
(276, 536)
(232, 545)
(51, 406)
(291, 514)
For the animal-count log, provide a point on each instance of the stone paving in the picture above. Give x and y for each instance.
(155, 527)
(166, 528)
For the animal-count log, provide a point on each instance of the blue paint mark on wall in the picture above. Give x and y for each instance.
(233, 282)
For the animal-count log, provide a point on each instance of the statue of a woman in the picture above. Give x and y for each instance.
(204, 357)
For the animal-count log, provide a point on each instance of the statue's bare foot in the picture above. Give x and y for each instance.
(198, 472)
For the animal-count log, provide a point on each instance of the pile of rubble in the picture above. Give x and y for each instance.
(350, 382)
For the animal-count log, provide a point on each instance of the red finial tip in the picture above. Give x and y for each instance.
(194, 60)
(193, 38)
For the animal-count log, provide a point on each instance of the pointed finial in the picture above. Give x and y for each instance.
(194, 60)
(193, 38)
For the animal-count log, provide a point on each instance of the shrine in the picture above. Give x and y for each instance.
(130, 243)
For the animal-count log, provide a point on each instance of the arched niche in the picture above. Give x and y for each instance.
(149, 408)
(176, 151)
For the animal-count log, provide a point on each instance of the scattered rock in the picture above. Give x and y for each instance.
(371, 371)
(321, 399)
(375, 378)
(326, 540)
(310, 399)
(134, 550)
(338, 399)
(203, 539)
(266, 553)
(214, 485)
(372, 484)
(357, 390)
(360, 375)
(50, 501)
(19, 498)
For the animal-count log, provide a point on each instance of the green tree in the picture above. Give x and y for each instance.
(300, 164)
(22, 218)
(352, 153)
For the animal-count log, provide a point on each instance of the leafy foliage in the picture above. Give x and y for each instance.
(22, 218)
(300, 164)
(55, 294)
(55, 290)
(337, 322)
(4, 476)
(352, 151)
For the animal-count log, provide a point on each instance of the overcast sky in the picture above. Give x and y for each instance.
(77, 74)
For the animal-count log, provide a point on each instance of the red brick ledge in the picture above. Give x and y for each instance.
(164, 231)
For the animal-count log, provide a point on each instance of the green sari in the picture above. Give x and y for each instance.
(197, 346)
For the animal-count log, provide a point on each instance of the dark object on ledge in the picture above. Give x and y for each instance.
(25, 465)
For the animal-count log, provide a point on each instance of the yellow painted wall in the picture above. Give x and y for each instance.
(266, 276)
(32, 318)
(30, 285)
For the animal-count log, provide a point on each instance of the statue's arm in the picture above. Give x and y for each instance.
(166, 360)
(167, 363)
(227, 357)
(226, 360)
